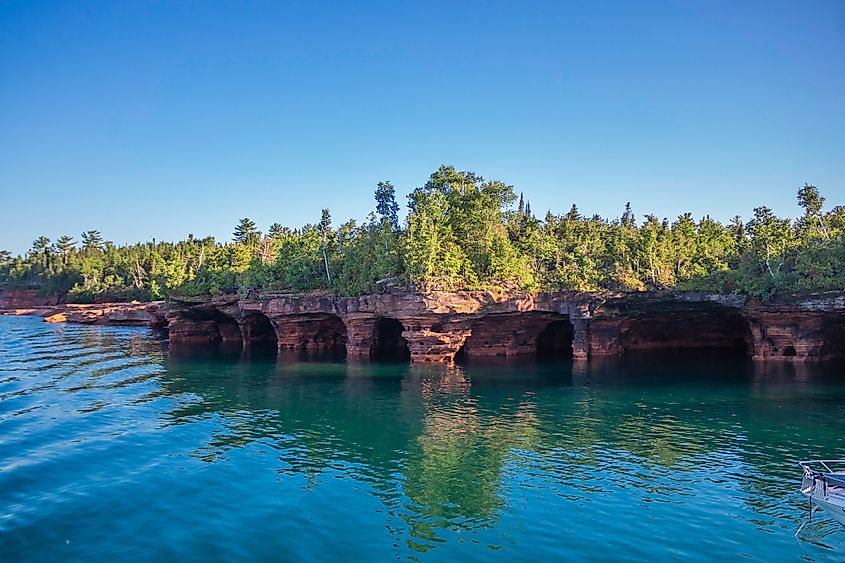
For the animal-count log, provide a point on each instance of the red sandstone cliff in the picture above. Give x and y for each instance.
(440, 326)
(28, 299)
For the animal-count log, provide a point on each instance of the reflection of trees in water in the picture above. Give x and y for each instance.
(453, 475)
(440, 446)
(740, 426)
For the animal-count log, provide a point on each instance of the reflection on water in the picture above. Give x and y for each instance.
(108, 439)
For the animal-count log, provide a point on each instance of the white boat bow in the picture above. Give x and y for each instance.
(824, 485)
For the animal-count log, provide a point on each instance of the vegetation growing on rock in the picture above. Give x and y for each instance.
(461, 232)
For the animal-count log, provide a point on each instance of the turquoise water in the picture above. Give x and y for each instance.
(111, 447)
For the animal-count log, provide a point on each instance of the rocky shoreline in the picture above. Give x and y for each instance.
(115, 314)
(442, 326)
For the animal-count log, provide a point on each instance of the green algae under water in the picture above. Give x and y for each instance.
(113, 448)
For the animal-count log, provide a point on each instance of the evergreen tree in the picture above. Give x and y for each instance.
(40, 246)
(92, 240)
(812, 202)
(628, 218)
(386, 205)
(463, 232)
(246, 232)
(65, 245)
(276, 231)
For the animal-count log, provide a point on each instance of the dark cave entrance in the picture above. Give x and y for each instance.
(388, 343)
(693, 330)
(258, 331)
(555, 341)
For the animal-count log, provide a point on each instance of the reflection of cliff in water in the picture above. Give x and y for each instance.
(442, 446)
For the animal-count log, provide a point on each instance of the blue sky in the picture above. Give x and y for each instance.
(159, 119)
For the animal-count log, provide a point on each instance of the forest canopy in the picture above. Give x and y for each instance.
(460, 232)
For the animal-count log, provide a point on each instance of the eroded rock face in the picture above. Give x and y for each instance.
(520, 333)
(789, 334)
(28, 299)
(645, 324)
(439, 326)
(116, 314)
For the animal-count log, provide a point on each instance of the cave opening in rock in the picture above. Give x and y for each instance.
(523, 334)
(789, 351)
(388, 343)
(229, 330)
(691, 331)
(461, 354)
(327, 335)
(258, 331)
(833, 336)
(555, 341)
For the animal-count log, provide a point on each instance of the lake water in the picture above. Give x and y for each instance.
(113, 448)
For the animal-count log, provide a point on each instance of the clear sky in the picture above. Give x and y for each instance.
(159, 119)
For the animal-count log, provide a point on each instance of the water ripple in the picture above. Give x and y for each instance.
(106, 441)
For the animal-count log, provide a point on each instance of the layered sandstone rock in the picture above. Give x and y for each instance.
(440, 326)
(19, 299)
(799, 328)
(118, 314)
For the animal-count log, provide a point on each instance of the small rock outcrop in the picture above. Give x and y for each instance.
(117, 314)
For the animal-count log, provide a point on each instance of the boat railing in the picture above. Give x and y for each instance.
(828, 465)
(816, 475)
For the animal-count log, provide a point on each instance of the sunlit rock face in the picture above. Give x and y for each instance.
(441, 326)
(799, 328)
(54, 310)
(28, 299)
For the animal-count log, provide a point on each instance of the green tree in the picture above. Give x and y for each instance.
(463, 232)
(386, 205)
(277, 231)
(771, 238)
(812, 202)
(65, 245)
(40, 246)
(628, 219)
(432, 256)
(246, 232)
(92, 240)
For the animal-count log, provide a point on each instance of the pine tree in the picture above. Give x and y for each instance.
(276, 231)
(92, 240)
(246, 232)
(65, 245)
(628, 218)
(40, 246)
(386, 205)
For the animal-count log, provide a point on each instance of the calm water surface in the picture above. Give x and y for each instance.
(111, 447)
